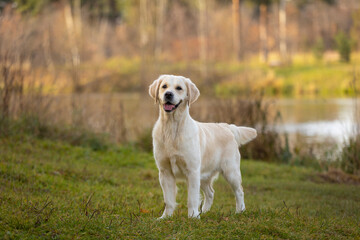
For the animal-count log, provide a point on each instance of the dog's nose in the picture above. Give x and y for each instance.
(169, 95)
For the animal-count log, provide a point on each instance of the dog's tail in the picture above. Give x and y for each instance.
(242, 135)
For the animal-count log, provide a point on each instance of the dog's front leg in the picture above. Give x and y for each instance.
(168, 185)
(193, 182)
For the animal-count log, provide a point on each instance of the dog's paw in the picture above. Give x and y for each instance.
(195, 217)
(205, 209)
(164, 216)
(241, 210)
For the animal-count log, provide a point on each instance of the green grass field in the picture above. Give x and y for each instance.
(52, 190)
(304, 77)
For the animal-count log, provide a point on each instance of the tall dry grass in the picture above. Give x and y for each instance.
(20, 92)
(37, 61)
(252, 112)
(50, 63)
(350, 156)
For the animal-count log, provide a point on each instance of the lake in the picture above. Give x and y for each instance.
(319, 120)
(125, 117)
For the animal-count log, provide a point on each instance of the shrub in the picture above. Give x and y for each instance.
(144, 141)
(350, 158)
(33, 126)
(343, 45)
(269, 145)
(319, 49)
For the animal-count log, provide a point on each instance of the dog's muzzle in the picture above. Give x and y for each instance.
(169, 107)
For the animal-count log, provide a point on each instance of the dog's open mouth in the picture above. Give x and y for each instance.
(169, 107)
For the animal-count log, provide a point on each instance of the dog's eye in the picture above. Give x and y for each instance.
(164, 86)
(178, 88)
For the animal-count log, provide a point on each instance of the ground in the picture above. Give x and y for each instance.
(50, 189)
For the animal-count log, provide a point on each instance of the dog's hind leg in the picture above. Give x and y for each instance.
(232, 175)
(206, 187)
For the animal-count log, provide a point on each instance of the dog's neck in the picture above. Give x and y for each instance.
(173, 123)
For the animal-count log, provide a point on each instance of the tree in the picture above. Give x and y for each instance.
(203, 37)
(315, 19)
(161, 7)
(236, 16)
(263, 31)
(355, 29)
(262, 6)
(16, 50)
(282, 23)
(343, 45)
(282, 30)
(111, 9)
(144, 37)
(73, 26)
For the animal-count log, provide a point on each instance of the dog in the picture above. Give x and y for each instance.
(198, 152)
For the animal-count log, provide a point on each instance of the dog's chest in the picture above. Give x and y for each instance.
(178, 167)
(174, 152)
(173, 147)
(171, 139)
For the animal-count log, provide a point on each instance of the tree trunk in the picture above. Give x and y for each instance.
(236, 29)
(263, 33)
(282, 30)
(47, 49)
(161, 7)
(73, 26)
(316, 22)
(6, 89)
(203, 37)
(144, 39)
(77, 18)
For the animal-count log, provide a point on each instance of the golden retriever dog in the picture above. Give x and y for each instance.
(198, 152)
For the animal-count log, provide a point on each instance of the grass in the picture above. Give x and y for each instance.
(305, 77)
(50, 189)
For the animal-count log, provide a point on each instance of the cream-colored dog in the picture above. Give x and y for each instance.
(185, 148)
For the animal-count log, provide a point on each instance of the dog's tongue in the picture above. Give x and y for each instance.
(169, 107)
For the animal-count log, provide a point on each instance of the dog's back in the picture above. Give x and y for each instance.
(224, 132)
(242, 135)
(219, 141)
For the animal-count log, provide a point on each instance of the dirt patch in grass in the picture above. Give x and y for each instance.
(337, 176)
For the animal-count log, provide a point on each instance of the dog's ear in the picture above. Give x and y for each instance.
(154, 89)
(192, 91)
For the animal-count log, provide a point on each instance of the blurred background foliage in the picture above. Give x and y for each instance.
(84, 66)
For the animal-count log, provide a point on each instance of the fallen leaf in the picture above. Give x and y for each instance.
(144, 210)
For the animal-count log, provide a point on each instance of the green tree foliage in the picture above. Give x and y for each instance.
(111, 9)
(319, 49)
(266, 2)
(355, 29)
(350, 157)
(343, 45)
(303, 3)
(32, 6)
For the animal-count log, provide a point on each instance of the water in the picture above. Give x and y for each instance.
(314, 121)
(318, 120)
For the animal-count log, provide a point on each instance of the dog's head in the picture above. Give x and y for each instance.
(173, 91)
